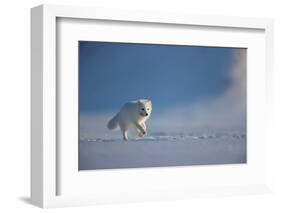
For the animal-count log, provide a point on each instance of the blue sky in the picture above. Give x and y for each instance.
(111, 74)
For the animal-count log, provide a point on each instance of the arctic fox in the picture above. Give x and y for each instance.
(133, 113)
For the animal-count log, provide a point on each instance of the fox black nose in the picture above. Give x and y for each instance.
(146, 114)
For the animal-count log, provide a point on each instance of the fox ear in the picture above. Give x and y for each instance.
(139, 103)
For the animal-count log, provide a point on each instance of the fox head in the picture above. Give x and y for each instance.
(144, 107)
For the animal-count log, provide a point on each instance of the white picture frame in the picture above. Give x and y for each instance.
(46, 167)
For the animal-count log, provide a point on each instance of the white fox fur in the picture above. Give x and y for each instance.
(133, 113)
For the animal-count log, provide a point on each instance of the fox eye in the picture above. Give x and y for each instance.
(147, 109)
(142, 109)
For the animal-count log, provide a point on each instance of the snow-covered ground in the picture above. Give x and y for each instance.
(161, 149)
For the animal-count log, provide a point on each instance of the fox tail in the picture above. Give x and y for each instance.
(113, 123)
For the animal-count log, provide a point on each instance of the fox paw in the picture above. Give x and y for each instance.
(142, 134)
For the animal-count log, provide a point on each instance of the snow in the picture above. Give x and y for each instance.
(162, 149)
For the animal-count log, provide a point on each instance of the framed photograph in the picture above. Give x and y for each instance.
(130, 106)
(172, 105)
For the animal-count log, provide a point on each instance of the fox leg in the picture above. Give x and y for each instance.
(140, 134)
(124, 129)
(141, 129)
(144, 127)
(125, 136)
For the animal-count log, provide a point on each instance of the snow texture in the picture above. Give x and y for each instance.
(160, 149)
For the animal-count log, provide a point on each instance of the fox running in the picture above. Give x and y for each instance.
(133, 113)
